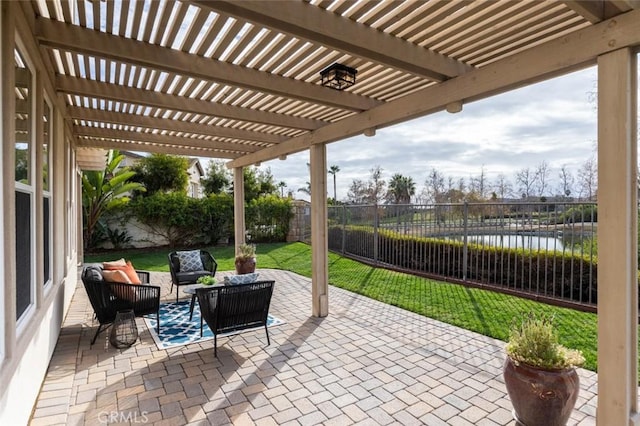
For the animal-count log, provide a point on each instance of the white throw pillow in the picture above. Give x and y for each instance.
(241, 279)
(190, 261)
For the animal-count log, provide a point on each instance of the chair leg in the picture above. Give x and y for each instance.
(215, 345)
(267, 331)
(95, 336)
(158, 322)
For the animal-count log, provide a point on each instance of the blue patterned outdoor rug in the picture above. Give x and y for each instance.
(177, 330)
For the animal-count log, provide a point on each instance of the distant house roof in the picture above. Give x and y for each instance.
(196, 162)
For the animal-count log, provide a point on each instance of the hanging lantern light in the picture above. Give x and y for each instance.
(338, 76)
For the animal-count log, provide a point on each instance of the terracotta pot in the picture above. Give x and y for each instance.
(541, 397)
(246, 266)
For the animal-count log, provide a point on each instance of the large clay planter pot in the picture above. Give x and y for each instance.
(541, 397)
(246, 267)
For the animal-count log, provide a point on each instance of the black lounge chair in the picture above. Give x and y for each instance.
(180, 277)
(108, 298)
(235, 307)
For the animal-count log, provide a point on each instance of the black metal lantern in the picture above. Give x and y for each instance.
(124, 331)
(338, 76)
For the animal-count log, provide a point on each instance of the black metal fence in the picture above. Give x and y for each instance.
(545, 251)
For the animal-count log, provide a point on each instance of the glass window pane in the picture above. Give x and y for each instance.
(23, 122)
(23, 252)
(46, 220)
(46, 130)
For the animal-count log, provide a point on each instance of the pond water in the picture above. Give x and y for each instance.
(524, 241)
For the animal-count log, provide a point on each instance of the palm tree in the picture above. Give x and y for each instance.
(104, 189)
(306, 190)
(401, 189)
(282, 184)
(333, 170)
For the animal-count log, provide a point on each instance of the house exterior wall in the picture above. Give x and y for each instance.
(27, 342)
(194, 188)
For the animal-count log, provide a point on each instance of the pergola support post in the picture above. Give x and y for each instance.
(319, 239)
(617, 239)
(238, 206)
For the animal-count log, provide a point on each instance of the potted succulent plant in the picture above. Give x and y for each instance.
(540, 374)
(246, 259)
(206, 280)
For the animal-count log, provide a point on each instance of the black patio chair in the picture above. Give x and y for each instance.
(235, 307)
(108, 298)
(179, 277)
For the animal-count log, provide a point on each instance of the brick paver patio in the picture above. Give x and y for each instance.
(366, 363)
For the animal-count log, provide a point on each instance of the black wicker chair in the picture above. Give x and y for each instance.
(108, 298)
(235, 307)
(179, 277)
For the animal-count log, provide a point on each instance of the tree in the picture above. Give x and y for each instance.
(526, 180)
(358, 192)
(478, 184)
(376, 187)
(401, 189)
(542, 174)
(103, 190)
(282, 185)
(588, 178)
(434, 187)
(566, 181)
(218, 178)
(257, 183)
(502, 186)
(333, 170)
(306, 189)
(162, 173)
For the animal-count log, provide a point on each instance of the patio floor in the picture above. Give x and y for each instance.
(366, 363)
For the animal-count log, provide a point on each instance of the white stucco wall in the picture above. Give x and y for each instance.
(22, 387)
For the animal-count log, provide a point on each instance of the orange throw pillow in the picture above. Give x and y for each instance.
(116, 276)
(128, 269)
(114, 263)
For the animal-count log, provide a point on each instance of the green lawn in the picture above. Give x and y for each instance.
(478, 310)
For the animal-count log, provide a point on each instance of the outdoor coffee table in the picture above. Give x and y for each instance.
(191, 289)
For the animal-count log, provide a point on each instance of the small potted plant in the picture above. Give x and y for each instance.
(246, 259)
(540, 374)
(206, 280)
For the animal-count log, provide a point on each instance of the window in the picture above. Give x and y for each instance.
(46, 192)
(24, 190)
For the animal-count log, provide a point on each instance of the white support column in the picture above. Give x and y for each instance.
(238, 206)
(319, 241)
(617, 240)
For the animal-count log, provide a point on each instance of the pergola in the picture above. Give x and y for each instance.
(240, 80)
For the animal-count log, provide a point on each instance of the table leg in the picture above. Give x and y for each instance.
(193, 302)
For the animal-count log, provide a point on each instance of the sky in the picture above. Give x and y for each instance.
(553, 121)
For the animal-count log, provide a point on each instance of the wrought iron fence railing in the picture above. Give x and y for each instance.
(541, 250)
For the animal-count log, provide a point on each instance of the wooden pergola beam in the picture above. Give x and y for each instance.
(100, 90)
(102, 116)
(59, 35)
(150, 147)
(161, 139)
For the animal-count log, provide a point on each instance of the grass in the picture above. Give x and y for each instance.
(482, 311)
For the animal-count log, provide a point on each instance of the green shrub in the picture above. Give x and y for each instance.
(267, 218)
(174, 216)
